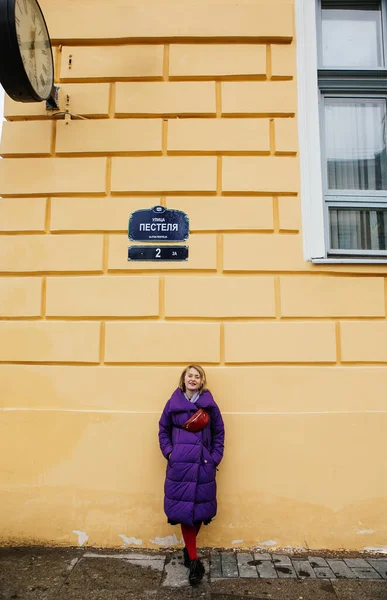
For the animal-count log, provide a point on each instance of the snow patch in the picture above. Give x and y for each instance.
(129, 541)
(365, 531)
(378, 549)
(82, 537)
(267, 543)
(165, 542)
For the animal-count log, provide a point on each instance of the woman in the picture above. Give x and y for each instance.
(190, 486)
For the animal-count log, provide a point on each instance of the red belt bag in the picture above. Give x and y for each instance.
(197, 422)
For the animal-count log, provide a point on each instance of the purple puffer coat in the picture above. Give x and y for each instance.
(190, 486)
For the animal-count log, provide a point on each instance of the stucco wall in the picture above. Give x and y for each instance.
(192, 106)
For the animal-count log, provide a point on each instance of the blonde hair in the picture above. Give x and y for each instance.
(203, 385)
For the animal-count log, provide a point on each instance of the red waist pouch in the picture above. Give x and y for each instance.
(197, 422)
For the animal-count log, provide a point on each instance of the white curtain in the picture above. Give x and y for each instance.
(356, 144)
(362, 229)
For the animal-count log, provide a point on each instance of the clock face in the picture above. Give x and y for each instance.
(34, 46)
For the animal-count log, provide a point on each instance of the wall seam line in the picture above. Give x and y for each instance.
(102, 341)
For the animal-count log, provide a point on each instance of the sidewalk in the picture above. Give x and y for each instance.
(88, 574)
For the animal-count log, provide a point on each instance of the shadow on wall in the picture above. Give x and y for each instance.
(1, 109)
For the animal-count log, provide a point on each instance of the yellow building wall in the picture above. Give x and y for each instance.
(192, 106)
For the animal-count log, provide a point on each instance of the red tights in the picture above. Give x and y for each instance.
(189, 536)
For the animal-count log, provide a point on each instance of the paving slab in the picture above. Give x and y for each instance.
(283, 566)
(282, 559)
(303, 569)
(360, 590)
(356, 562)
(266, 570)
(340, 569)
(265, 566)
(176, 558)
(175, 573)
(262, 556)
(206, 563)
(229, 564)
(380, 565)
(317, 561)
(369, 573)
(246, 565)
(324, 573)
(278, 589)
(215, 565)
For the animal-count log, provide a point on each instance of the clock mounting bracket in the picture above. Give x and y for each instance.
(52, 102)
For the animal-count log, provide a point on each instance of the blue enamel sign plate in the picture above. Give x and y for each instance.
(156, 254)
(158, 224)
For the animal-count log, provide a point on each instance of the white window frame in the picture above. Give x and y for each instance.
(314, 206)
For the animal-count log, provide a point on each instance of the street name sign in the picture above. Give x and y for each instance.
(158, 224)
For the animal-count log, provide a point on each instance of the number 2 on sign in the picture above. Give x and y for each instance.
(158, 253)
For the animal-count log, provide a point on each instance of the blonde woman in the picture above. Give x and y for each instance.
(191, 436)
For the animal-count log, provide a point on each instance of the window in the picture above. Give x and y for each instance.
(351, 34)
(342, 56)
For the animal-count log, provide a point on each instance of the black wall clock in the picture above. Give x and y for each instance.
(26, 63)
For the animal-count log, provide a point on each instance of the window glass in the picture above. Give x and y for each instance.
(351, 38)
(355, 144)
(358, 229)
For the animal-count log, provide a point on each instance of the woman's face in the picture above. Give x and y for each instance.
(192, 380)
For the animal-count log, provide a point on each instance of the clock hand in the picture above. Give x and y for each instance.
(33, 45)
(33, 60)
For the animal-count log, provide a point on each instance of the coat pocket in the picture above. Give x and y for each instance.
(207, 458)
(170, 459)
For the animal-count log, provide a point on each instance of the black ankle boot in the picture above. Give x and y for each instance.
(187, 560)
(196, 571)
